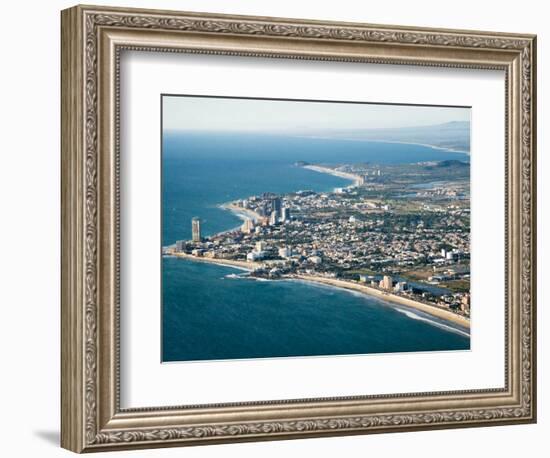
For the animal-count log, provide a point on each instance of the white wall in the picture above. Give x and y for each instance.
(29, 232)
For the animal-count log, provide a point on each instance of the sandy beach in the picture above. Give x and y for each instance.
(430, 309)
(243, 213)
(348, 176)
(239, 212)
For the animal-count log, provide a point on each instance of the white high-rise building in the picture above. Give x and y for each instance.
(285, 214)
(255, 255)
(400, 286)
(248, 226)
(386, 283)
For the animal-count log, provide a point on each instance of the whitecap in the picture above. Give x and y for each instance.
(233, 276)
(438, 324)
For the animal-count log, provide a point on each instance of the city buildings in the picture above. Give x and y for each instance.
(285, 252)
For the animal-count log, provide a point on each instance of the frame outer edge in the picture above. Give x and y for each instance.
(533, 253)
(72, 251)
(81, 428)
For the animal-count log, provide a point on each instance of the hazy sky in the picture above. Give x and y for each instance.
(202, 113)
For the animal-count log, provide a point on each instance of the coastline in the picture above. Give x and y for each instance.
(346, 175)
(367, 290)
(239, 212)
(242, 265)
(427, 145)
(242, 213)
(433, 310)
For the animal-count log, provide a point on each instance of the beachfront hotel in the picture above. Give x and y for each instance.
(248, 226)
(386, 283)
(276, 206)
(196, 229)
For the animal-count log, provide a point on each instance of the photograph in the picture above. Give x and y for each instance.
(303, 228)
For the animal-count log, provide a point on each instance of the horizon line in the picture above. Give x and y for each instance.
(304, 129)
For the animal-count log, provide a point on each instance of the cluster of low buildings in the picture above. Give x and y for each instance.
(458, 301)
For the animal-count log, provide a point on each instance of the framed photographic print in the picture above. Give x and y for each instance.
(278, 228)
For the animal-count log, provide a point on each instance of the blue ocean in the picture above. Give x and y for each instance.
(212, 312)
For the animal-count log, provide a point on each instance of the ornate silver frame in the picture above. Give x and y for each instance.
(92, 39)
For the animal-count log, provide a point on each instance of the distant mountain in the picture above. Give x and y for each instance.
(454, 135)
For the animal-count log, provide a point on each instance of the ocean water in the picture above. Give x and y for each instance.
(215, 312)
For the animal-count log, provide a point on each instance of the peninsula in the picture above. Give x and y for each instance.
(398, 232)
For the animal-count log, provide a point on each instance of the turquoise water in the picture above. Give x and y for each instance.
(212, 312)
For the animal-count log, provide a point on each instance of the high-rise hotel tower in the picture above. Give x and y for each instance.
(196, 229)
(276, 206)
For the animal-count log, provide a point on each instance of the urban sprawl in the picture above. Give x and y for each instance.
(401, 231)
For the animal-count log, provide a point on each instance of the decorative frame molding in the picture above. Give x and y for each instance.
(92, 39)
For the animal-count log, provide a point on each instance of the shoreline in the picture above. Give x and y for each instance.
(242, 213)
(242, 265)
(345, 175)
(435, 311)
(426, 145)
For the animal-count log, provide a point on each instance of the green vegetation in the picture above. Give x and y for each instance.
(457, 286)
